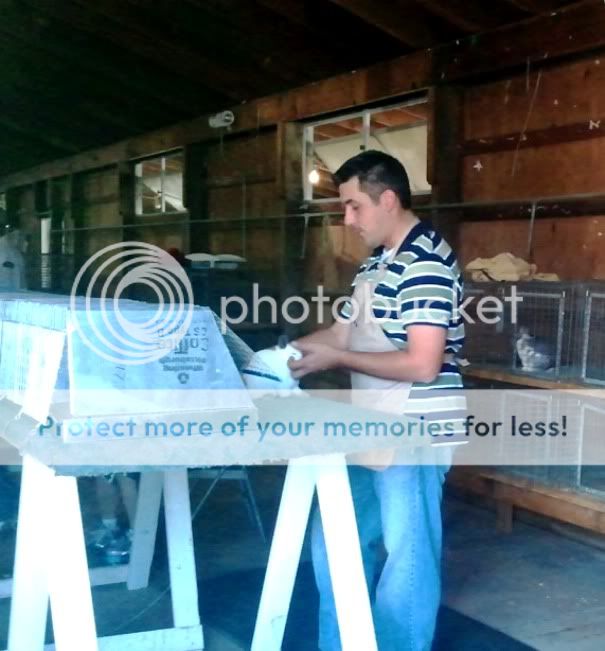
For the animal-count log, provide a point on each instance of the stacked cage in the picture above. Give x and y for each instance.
(536, 334)
(487, 341)
(593, 333)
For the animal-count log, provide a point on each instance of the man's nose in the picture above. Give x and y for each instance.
(349, 217)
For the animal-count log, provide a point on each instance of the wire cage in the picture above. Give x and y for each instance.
(487, 341)
(537, 452)
(593, 335)
(542, 329)
(538, 333)
(590, 477)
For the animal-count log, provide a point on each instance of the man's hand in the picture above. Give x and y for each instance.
(316, 357)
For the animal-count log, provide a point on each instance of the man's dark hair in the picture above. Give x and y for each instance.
(376, 172)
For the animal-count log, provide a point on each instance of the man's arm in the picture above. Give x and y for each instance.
(420, 362)
(335, 336)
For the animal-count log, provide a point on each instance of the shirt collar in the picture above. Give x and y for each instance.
(415, 232)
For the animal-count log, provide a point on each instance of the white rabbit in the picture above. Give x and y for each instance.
(268, 370)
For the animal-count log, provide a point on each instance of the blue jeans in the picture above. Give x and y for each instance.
(9, 495)
(401, 506)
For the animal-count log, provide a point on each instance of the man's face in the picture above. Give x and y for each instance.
(368, 219)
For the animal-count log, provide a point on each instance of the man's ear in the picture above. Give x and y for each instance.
(388, 199)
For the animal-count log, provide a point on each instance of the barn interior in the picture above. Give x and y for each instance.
(210, 130)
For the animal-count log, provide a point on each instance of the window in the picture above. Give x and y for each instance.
(399, 130)
(159, 185)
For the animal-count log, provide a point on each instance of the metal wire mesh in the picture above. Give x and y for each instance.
(539, 334)
(591, 478)
(538, 452)
(486, 343)
(593, 359)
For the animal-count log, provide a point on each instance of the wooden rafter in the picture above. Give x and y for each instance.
(413, 27)
(89, 113)
(268, 33)
(36, 136)
(468, 15)
(292, 10)
(110, 20)
(90, 58)
(396, 117)
(539, 40)
(536, 6)
(577, 28)
(203, 28)
(339, 31)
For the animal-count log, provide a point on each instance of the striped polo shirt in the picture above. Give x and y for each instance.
(422, 286)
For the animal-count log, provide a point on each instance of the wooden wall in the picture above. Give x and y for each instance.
(537, 135)
(242, 184)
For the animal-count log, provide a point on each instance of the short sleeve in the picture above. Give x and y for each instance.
(426, 294)
(345, 309)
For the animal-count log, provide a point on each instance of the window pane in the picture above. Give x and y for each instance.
(402, 133)
(333, 143)
(159, 185)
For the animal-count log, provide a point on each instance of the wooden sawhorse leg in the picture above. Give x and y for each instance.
(329, 475)
(51, 564)
(50, 561)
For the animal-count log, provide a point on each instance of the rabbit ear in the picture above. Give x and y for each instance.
(282, 341)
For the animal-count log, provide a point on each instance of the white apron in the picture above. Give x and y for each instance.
(367, 336)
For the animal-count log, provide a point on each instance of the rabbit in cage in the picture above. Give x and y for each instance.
(535, 353)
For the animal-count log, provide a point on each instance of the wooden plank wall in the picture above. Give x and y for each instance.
(565, 107)
(242, 180)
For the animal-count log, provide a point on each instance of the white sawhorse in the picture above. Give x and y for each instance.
(50, 561)
(329, 475)
(50, 564)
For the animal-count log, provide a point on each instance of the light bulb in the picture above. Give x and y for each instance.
(314, 177)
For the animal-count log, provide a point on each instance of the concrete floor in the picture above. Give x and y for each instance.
(534, 585)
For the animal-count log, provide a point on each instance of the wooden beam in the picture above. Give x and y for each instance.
(195, 191)
(565, 505)
(113, 72)
(444, 173)
(383, 80)
(522, 209)
(292, 10)
(289, 142)
(585, 130)
(79, 124)
(410, 25)
(267, 34)
(338, 30)
(525, 380)
(111, 20)
(536, 6)
(467, 15)
(37, 136)
(574, 29)
(204, 29)
(585, 22)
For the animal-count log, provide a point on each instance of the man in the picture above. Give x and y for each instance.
(412, 284)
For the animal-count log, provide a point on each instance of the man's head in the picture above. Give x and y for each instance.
(375, 192)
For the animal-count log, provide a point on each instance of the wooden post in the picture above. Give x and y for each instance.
(195, 191)
(127, 191)
(290, 188)
(445, 130)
